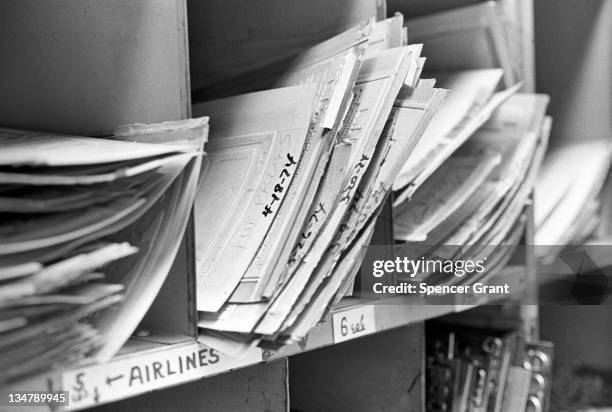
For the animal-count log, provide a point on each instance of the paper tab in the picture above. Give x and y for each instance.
(352, 323)
(140, 373)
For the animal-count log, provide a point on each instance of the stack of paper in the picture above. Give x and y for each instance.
(295, 179)
(471, 102)
(473, 204)
(468, 54)
(567, 195)
(68, 247)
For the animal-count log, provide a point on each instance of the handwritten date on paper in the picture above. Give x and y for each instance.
(313, 219)
(353, 323)
(360, 167)
(280, 186)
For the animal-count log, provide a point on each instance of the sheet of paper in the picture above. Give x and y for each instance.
(333, 65)
(163, 180)
(587, 177)
(412, 111)
(513, 202)
(514, 131)
(469, 92)
(145, 276)
(75, 178)
(387, 33)
(246, 181)
(320, 303)
(516, 195)
(560, 173)
(446, 190)
(25, 148)
(45, 231)
(326, 197)
(49, 199)
(457, 138)
(59, 275)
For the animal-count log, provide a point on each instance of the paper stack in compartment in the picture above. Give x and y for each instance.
(472, 205)
(283, 229)
(561, 219)
(470, 65)
(75, 279)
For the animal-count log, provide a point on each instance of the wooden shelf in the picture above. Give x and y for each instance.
(157, 362)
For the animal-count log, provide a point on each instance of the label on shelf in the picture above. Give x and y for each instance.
(354, 322)
(140, 373)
